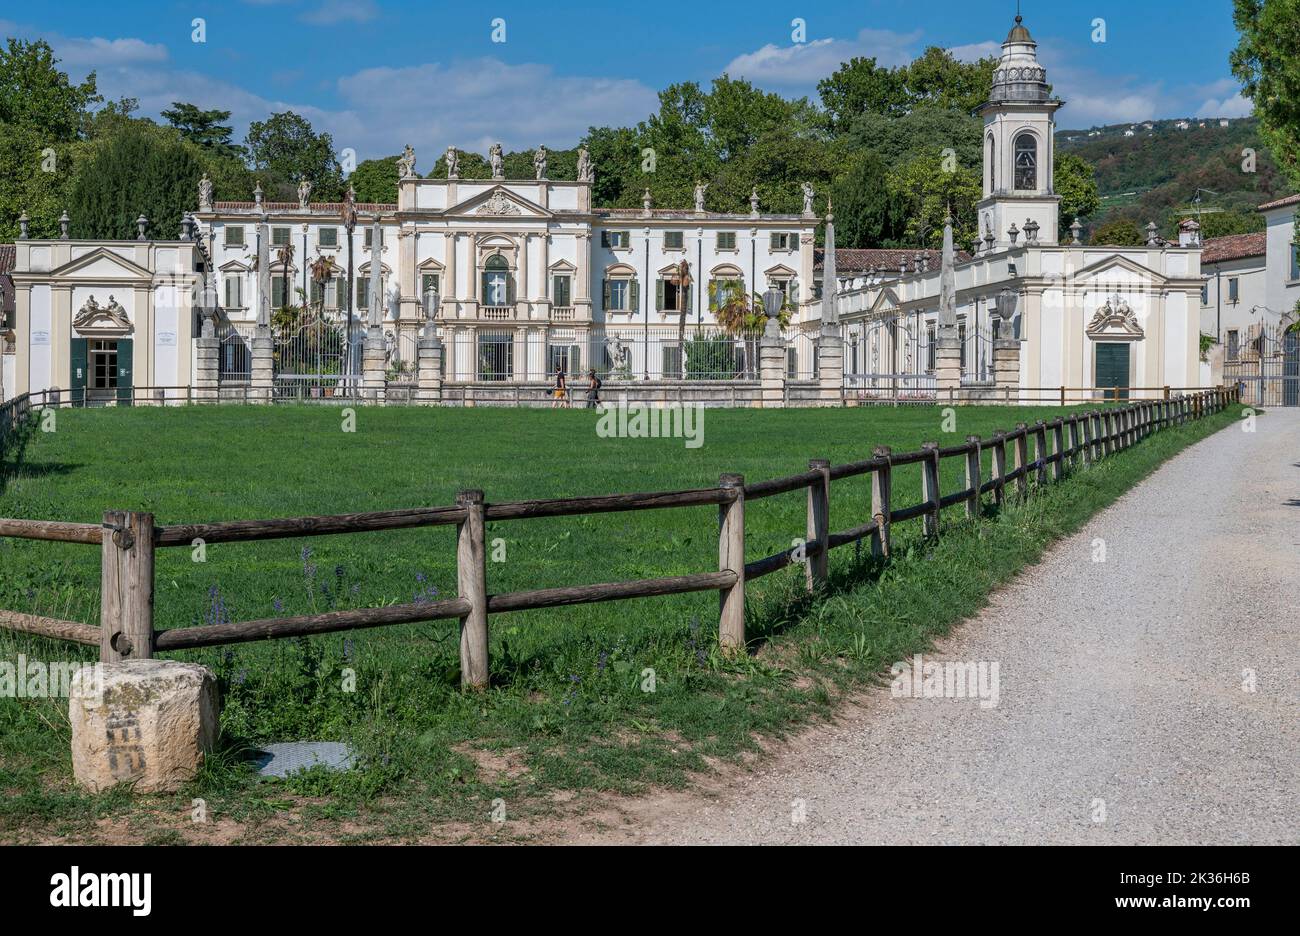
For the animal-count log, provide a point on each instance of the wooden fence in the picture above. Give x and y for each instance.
(128, 540)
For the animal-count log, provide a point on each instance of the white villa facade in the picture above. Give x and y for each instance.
(517, 278)
(1082, 316)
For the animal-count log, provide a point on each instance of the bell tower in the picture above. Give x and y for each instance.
(1019, 149)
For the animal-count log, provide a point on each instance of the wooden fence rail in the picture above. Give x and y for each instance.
(128, 540)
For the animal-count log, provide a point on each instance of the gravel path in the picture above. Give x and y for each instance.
(1121, 683)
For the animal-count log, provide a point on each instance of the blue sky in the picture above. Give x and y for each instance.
(379, 74)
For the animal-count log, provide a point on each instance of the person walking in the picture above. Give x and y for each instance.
(559, 394)
(593, 389)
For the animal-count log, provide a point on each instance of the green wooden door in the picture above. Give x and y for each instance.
(1112, 369)
(124, 371)
(80, 369)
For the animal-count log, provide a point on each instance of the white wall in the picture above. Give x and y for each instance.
(40, 359)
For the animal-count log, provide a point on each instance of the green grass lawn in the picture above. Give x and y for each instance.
(567, 710)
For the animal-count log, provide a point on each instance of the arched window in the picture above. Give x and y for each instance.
(1026, 163)
(496, 281)
(992, 160)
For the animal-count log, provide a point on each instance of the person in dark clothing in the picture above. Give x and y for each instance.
(593, 389)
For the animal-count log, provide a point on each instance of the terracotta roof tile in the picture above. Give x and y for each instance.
(1234, 247)
(1280, 203)
(8, 256)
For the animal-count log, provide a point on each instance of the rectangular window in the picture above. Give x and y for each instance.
(726, 240)
(370, 236)
(429, 281)
(672, 361)
(1232, 290)
(671, 297)
(618, 296)
(791, 364)
(782, 241)
(234, 236)
(1234, 344)
(1205, 294)
(673, 240)
(329, 237)
(279, 292)
(929, 349)
(279, 236)
(961, 338)
(560, 291)
(1295, 263)
(234, 291)
(614, 238)
(722, 290)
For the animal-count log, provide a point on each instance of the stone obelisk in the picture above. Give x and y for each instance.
(830, 344)
(947, 358)
(373, 382)
(263, 365)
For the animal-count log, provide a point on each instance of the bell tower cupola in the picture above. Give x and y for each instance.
(1019, 149)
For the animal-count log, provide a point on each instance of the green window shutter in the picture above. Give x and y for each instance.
(659, 295)
(316, 294)
(634, 291)
(604, 288)
(510, 289)
(690, 298)
(774, 241)
(125, 366)
(230, 292)
(80, 364)
(604, 238)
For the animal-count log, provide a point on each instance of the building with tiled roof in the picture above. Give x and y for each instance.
(7, 357)
(1235, 284)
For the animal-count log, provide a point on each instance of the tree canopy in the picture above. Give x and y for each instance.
(1267, 62)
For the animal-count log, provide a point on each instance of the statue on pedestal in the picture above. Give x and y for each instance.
(497, 161)
(205, 193)
(585, 169)
(304, 194)
(406, 163)
(453, 163)
(700, 188)
(539, 163)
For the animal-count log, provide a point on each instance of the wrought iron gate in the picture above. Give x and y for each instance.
(1266, 364)
(311, 359)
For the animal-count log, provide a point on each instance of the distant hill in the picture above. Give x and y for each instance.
(1153, 175)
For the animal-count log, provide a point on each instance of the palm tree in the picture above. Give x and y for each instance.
(683, 290)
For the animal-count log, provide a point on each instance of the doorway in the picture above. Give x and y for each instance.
(1111, 370)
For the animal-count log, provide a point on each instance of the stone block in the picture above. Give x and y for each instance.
(148, 723)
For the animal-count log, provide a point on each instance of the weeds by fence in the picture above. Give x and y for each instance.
(128, 540)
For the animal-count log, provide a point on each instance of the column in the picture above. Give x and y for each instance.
(830, 365)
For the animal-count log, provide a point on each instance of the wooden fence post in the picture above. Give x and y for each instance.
(819, 511)
(881, 481)
(1107, 433)
(1058, 449)
(1040, 450)
(126, 587)
(1022, 458)
(731, 556)
(999, 466)
(973, 469)
(930, 488)
(471, 580)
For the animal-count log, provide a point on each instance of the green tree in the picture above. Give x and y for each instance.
(35, 93)
(865, 213)
(1074, 180)
(204, 128)
(616, 155)
(472, 166)
(924, 131)
(1267, 62)
(1119, 233)
(927, 190)
(26, 186)
(288, 149)
(1217, 223)
(376, 180)
(142, 169)
(935, 79)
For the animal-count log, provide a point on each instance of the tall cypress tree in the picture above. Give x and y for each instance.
(138, 170)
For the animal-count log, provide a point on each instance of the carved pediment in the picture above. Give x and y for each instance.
(1115, 320)
(499, 202)
(105, 319)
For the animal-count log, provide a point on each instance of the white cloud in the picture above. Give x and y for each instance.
(799, 67)
(331, 12)
(1235, 106)
(975, 51)
(474, 103)
(89, 53)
